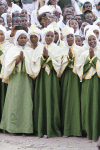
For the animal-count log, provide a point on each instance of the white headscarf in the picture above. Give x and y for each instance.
(3, 29)
(18, 33)
(66, 31)
(88, 34)
(4, 15)
(95, 27)
(98, 20)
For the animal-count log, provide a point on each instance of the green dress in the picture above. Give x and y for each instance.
(46, 103)
(17, 112)
(90, 103)
(3, 88)
(70, 112)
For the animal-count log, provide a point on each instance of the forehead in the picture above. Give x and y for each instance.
(50, 33)
(1, 31)
(17, 19)
(1, 20)
(77, 17)
(67, 9)
(22, 35)
(88, 4)
(24, 11)
(92, 37)
(88, 14)
(73, 21)
(78, 38)
(70, 35)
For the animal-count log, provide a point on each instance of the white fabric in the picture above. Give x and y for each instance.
(34, 20)
(53, 52)
(14, 8)
(18, 33)
(31, 7)
(61, 25)
(4, 15)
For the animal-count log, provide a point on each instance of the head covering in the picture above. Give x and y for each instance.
(46, 30)
(86, 27)
(56, 28)
(66, 31)
(4, 15)
(18, 33)
(3, 29)
(88, 34)
(44, 9)
(34, 31)
(95, 27)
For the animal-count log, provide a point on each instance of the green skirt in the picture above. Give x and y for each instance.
(46, 105)
(71, 104)
(90, 107)
(17, 113)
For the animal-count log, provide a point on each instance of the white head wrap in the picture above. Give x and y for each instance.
(44, 9)
(88, 34)
(66, 31)
(34, 31)
(95, 27)
(4, 15)
(86, 27)
(46, 30)
(18, 33)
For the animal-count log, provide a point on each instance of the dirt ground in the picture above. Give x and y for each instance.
(11, 142)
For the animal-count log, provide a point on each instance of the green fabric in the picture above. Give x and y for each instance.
(90, 107)
(1, 52)
(46, 105)
(89, 63)
(17, 112)
(70, 60)
(70, 112)
(63, 3)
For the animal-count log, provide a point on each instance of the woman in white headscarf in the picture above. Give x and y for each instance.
(88, 70)
(18, 107)
(46, 62)
(70, 86)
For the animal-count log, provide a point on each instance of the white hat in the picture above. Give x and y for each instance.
(67, 30)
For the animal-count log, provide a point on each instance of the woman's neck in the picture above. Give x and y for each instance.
(34, 46)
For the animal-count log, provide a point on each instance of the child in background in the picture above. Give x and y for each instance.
(18, 107)
(78, 40)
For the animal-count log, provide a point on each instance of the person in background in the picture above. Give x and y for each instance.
(78, 18)
(78, 40)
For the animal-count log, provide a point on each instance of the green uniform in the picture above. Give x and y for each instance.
(17, 112)
(46, 103)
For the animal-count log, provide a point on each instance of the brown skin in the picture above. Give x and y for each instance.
(17, 21)
(70, 53)
(67, 11)
(74, 25)
(88, 6)
(79, 20)
(24, 12)
(92, 41)
(49, 37)
(20, 58)
(2, 37)
(89, 18)
(70, 39)
(96, 32)
(34, 41)
(53, 2)
(56, 36)
(45, 53)
(22, 40)
(68, 17)
(78, 41)
(1, 9)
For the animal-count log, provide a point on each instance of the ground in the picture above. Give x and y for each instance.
(11, 142)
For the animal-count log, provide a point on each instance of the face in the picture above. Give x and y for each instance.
(68, 17)
(46, 19)
(2, 37)
(53, 2)
(83, 26)
(22, 40)
(9, 1)
(49, 38)
(16, 13)
(24, 12)
(56, 36)
(88, 6)
(74, 25)
(78, 19)
(89, 18)
(67, 11)
(70, 39)
(78, 41)
(17, 21)
(9, 20)
(24, 22)
(92, 41)
(5, 9)
(96, 32)
(2, 22)
(34, 39)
